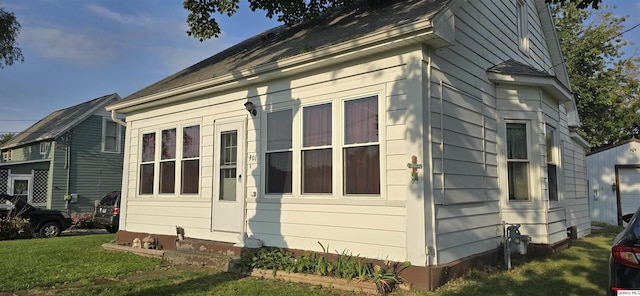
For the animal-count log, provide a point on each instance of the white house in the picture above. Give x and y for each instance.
(404, 132)
(614, 181)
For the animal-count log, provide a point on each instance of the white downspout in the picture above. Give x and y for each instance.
(116, 119)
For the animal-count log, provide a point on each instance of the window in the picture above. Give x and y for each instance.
(190, 159)
(361, 150)
(523, 25)
(110, 136)
(44, 147)
(316, 149)
(279, 152)
(552, 164)
(178, 161)
(6, 156)
(517, 162)
(168, 161)
(147, 164)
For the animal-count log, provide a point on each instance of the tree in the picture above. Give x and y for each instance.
(605, 82)
(9, 29)
(203, 25)
(4, 138)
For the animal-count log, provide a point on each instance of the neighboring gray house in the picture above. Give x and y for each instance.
(66, 160)
(614, 181)
(408, 132)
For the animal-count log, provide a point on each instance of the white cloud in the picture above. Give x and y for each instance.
(106, 13)
(78, 47)
(177, 58)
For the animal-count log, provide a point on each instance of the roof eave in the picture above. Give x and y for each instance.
(418, 32)
(547, 83)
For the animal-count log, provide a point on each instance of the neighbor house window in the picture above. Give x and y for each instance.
(168, 161)
(518, 161)
(147, 164)
(110, 136)
(523, 25)
(552, 163)
(44, 147)
(190, 174)
(316, 149)
(279, 152)
(6, 156)
(361, 150)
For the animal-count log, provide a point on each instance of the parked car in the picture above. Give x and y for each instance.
(45, 223)
(107, 212)
(624, 261)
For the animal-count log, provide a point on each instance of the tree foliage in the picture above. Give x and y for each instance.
(203, 25)
(9, 29)
(4, 138)
(605, 82)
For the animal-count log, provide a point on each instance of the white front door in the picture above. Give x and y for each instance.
(228, 174)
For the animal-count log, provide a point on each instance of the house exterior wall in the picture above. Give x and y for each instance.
(601, 174)
(92, 172)
(372, 226)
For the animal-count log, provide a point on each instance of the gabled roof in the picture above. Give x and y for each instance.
(605, 148)
(59, 122)
(281, 43)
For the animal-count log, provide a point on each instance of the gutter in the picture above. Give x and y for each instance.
(116, 119)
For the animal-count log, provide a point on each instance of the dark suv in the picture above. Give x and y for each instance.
(107, 212)
(45, 223)
(624, 262)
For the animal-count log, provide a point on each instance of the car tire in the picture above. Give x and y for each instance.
(112, 228)
(50, 229)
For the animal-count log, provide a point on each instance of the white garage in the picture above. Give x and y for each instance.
(614, 181)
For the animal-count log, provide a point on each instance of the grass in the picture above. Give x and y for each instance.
(77, 265)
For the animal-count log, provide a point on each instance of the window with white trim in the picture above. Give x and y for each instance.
(111, 139)
(518, 161)
(44, 147)
(6, 156)
(279, 153)
(361, 149)
(317, 152)
(552, 163)
(177, 162)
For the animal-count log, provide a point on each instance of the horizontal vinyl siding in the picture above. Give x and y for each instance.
(372, 226)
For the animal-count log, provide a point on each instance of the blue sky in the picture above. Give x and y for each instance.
(77, 50)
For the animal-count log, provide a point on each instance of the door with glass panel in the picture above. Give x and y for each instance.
(20, 186)
(228, 191)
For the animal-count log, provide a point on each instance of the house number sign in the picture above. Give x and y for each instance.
(414, 166)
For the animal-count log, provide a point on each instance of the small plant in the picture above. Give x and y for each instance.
(346, 265)
(82, 221)
(15, 228)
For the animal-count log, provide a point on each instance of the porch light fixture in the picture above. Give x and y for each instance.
(614, 187)
(250, 108)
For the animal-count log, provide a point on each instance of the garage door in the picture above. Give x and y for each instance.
(629, 189)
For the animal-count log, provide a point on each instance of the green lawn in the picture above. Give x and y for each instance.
(77, 265)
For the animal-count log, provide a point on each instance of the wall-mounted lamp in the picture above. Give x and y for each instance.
(614, 187)
(250, 108)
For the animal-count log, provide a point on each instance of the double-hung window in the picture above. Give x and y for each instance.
(361, 149)
(518, 162)
(317, 160)
(176, 164)
(44, 147)
(110, 136)
(190, 174)
(279, 153)
(147, 163)
(552, 164)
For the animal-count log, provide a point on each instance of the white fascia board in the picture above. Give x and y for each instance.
(578, 138)
(421, 31)
(10, 163)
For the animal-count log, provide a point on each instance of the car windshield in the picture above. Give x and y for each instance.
(109, 199)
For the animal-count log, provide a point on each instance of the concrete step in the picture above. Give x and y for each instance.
(210, 247)
(189, 257)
